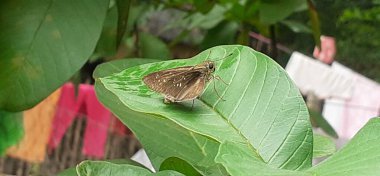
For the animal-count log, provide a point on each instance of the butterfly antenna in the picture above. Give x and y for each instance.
(224, 57)
(208, 56)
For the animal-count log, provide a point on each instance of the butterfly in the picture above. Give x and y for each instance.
(182, 83)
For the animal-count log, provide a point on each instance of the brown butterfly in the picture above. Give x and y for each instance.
(182, 83)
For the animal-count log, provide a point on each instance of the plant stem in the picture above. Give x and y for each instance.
(273, 42)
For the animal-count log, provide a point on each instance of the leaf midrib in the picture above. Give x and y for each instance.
(238, 132)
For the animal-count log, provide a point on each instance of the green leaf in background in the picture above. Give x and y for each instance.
(296, 26)
(322, 123)
(43, 43)
(273, 11)
(204, 6)
(240, 160)
(258, 88)
(151, 46)
(225, 32)
(323, 146)
(68, 172)
(315, 24)
(123, 7)
(205, 21)
(179, 165)
(11, 129)
(361, 156)
(106, 45)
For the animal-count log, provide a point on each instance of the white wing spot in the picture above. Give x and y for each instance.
(180, 84)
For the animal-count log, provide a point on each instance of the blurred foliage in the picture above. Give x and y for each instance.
(359, 39)
(11, 129)
(158, 28)
(355, 25)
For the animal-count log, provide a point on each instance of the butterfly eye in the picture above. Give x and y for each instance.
(211, 66)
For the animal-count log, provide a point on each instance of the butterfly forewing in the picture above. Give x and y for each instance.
(178, 84)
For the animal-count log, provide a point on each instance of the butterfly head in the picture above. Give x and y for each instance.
(210, 66)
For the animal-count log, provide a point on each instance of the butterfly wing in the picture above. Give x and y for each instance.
(192, 90)
(179, 84)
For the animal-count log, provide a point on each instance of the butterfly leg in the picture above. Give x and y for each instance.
(192, 105)
(168, 100)
(219, 78)
(217, 91)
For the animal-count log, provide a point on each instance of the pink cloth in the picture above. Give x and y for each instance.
(98, 119)
(328, 50)
(119, 128)
(65, 114)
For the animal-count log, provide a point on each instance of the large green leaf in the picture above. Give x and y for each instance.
(263, 109)
(105, 168)
(11, 129)
(43, 43)
(152, 130)
(361, 156)
(89, 165)
(203, 154)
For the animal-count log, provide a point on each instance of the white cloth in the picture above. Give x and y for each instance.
(349, 116)
(142, 158)
(312, 75)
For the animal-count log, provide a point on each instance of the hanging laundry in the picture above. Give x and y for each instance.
(119, 128)
(312, 75)
(67, 109)
(328, 50)
(349, 116)
(97, 121)
(37, 127)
